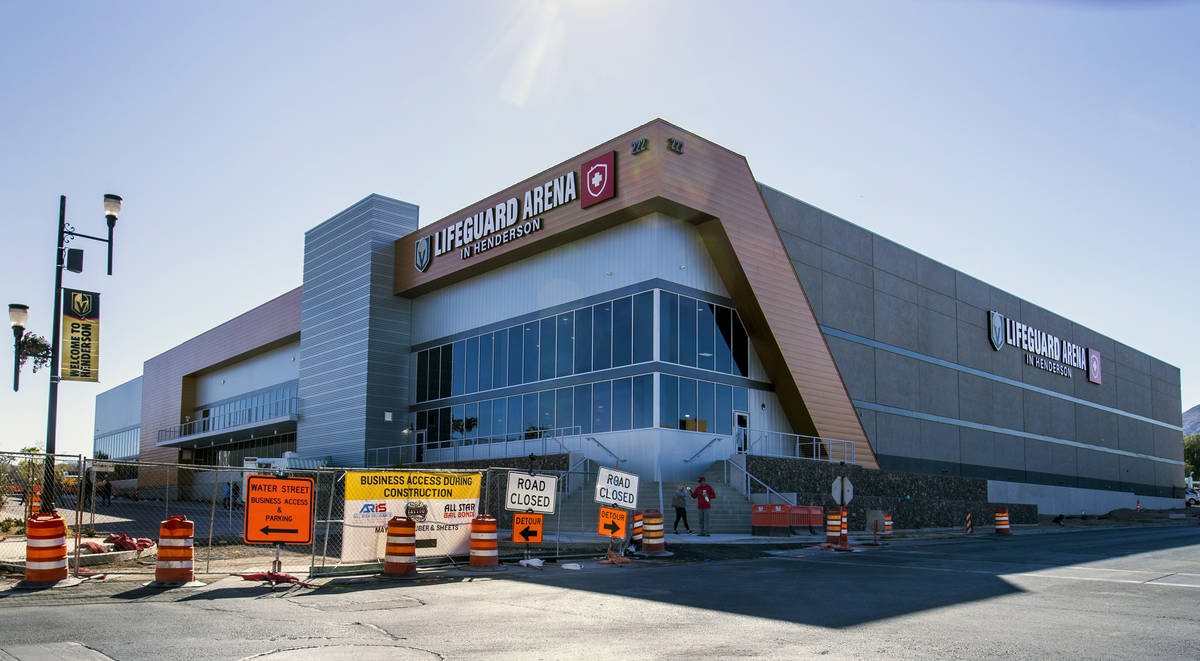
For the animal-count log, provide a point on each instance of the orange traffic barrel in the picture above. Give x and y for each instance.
(34, 504)
(653, 541)
(1002, 522)
(175, 551)
(485, 544)
(45, 549)
(637, 528)
(400, 555)
(887, 524)
(833, 526)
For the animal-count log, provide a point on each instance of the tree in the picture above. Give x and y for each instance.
(1191, 454)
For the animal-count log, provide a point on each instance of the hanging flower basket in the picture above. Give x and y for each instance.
(36, 347)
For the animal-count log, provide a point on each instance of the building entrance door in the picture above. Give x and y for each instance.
(741, 426)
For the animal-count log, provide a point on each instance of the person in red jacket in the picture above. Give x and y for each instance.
(704, 494)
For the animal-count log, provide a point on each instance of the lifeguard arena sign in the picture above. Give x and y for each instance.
(519, 216)
(1043, 350)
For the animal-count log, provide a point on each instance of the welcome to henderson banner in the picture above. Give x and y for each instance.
(79, 359)
(442, 504)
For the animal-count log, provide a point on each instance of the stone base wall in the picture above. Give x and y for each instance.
(914, 500)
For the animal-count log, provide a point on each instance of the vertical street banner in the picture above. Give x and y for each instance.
(442, 504)
(79, 359)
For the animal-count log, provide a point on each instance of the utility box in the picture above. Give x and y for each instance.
(874, 519)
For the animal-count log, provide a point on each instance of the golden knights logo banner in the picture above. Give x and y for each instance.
(79, 359)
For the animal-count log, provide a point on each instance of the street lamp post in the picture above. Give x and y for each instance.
(112, 207)
(18, 316)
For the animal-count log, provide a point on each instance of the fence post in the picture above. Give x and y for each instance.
(212, 518)
(79, 514)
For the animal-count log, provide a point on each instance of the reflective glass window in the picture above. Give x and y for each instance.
(431, 428)
(422, 375)
(485, 362)
(668, 328)
(565, 359)
(622, 310)
(499, 417)
(470, 420)
(500, 359)
(739, 400)
(724, 339)
(546, 347)
(530, 341)
(643, 401)
(705, 413)
(601, 406)
(668, 401)
(444, 426)
(514, 417)
(471, 380)
(485, 419)
(546, 405)
(643, 327)
(687, 404)
(434, 388)
(723, 413)
(706, 328)
(622, 404)
(687, 331)
(456, 422)
(741, 349)
(460, 363)
(583, 408)
(583, 341)
(602, 336)
(563, 411)
(529, 416)
(515, 342)
(447, 364)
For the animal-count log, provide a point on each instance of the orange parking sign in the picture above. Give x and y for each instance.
(527, 528)
(612, 522)
(278, 510)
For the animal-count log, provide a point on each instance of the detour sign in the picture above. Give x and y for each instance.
(278, 510)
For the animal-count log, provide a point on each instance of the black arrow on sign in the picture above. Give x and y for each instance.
(267, 530)
(527, 533)
(612, 527)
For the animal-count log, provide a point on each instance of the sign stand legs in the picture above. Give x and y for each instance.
(277, 566)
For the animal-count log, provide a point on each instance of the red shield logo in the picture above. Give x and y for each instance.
(599, 177)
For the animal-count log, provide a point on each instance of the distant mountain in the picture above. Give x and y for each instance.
(1191, 421)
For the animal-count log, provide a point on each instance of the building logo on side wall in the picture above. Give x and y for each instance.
(422, 255)
(599, 179)
(1093, 365)
(996, 324)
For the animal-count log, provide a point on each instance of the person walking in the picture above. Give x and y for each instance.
(704, 495)
(106, 491)
(228, 493)
(680, 505)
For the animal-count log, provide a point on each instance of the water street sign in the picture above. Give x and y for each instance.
(611, 522)
(616, 488)
(837, 491)
(530, 493)
(279, 510)
(527, 528)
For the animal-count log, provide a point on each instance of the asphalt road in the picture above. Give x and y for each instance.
(1104, 594)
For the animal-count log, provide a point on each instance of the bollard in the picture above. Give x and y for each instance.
(1002, 527)
(175, 552)
(45, 549)
(887, 524)
(652, 541)
(833, 526)
(400, 554)
(485, 545)
(970, 524)
(637, 529)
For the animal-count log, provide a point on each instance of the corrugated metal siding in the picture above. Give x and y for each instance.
(354, 339)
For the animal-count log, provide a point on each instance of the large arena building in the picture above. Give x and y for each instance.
(648, 301)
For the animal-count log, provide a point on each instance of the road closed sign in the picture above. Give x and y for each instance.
(530, 493)
(616, 488)
(278, 510)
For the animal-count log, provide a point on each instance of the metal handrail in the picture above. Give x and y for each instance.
(706, 446)
(542, 436)
(832, 450)
(764, 484)
(249, 415)
(605, 448)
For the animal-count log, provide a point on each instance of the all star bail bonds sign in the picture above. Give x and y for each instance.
(441, 504)
(80, 359)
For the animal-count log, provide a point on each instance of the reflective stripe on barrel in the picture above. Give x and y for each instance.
(45, 549)
(833, 526)
(652, 532)
(400, 554)
(637, 527)
(175, 552)
(1002, 527)
(485, 545)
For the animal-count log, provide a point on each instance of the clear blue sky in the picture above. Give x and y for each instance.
(1048, 148)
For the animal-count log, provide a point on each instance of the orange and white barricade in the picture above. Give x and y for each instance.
(833, 526)
(638, 522)
(485, 543)
(45, 549)
(887, 524)
(1002, 527)
(652, 530)
(400, 554)
(176, 555)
